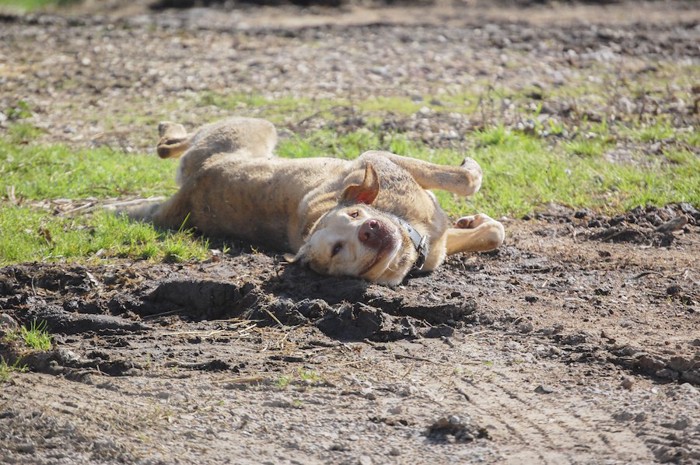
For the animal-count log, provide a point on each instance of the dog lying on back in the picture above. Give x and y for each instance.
(373, 217)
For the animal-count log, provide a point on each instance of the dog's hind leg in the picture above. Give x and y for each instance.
(477, 233)
(461, 180)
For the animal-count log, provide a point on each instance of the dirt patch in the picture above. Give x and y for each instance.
(577, 342)
(472, 359)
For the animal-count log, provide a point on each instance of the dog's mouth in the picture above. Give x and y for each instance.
(385, 240)
(387, 250)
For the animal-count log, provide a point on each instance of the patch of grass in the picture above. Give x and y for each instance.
(660, 130)
(6, 369)
(523, 172)
(31, 5)
(36, 337)
(283, 382)
(522, 169)
(37, 173)
(28, 234)
(309, 376)
(56, 171)
(398, 105)
(20, 110)
(329, 143)
(23, 133)
(583, 147)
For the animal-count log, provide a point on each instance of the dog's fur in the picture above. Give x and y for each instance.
(351, 218)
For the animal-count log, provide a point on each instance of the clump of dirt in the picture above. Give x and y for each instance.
(650, 225)
(456, 429)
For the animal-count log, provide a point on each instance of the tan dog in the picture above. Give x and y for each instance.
(372, 217)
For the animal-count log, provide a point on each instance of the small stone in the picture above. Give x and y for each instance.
(26, 448)
(542, 389)
(7, 323)
(674, 290)
(525, 327)
(627, 382)
(623, 416)
(365, 460)
(680, 424)
(395, 410)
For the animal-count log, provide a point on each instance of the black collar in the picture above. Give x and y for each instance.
(419, 242)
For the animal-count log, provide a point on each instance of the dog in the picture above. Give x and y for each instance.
(372, 218)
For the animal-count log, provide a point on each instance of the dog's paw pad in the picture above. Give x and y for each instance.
(472, 221)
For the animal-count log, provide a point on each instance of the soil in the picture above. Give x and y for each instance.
(576, 342)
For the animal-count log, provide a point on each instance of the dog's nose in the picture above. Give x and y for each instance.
(372, 233)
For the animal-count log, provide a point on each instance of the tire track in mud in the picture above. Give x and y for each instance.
(550, 427)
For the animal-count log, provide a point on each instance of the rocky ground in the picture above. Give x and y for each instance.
(576, 342)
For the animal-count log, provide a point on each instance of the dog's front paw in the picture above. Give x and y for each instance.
(473, 221)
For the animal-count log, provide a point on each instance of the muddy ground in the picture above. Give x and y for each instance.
(577, 342)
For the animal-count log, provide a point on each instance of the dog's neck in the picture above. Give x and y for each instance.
(419, 242)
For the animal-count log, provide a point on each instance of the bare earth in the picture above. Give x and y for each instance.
(576, 342)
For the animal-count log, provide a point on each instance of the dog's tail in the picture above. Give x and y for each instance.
(138, 209)
(174, 140)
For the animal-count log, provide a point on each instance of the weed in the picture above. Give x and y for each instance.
(283, 382)
(19, 111)
(309, 376)
(6, 370)
(36, 336)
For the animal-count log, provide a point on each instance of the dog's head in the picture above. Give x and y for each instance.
(355, 239)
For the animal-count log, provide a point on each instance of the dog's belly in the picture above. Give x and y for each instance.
(255, 200)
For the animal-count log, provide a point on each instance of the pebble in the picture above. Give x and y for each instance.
(627, 382)
(7, 322)
(525, 327)
(543, 389)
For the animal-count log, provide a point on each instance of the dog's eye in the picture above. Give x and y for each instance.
(354, 214)
(336, 248)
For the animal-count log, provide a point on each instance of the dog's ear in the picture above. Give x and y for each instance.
(300, 258)
(363, 193)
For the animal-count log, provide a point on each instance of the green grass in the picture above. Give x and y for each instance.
(31, 5)
(56, 171)
(557, 162)
(523, 172)
(6, 370)
(29, 234)
(37, 173)
(36, 337)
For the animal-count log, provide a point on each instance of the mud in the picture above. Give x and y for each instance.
(550, 326)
